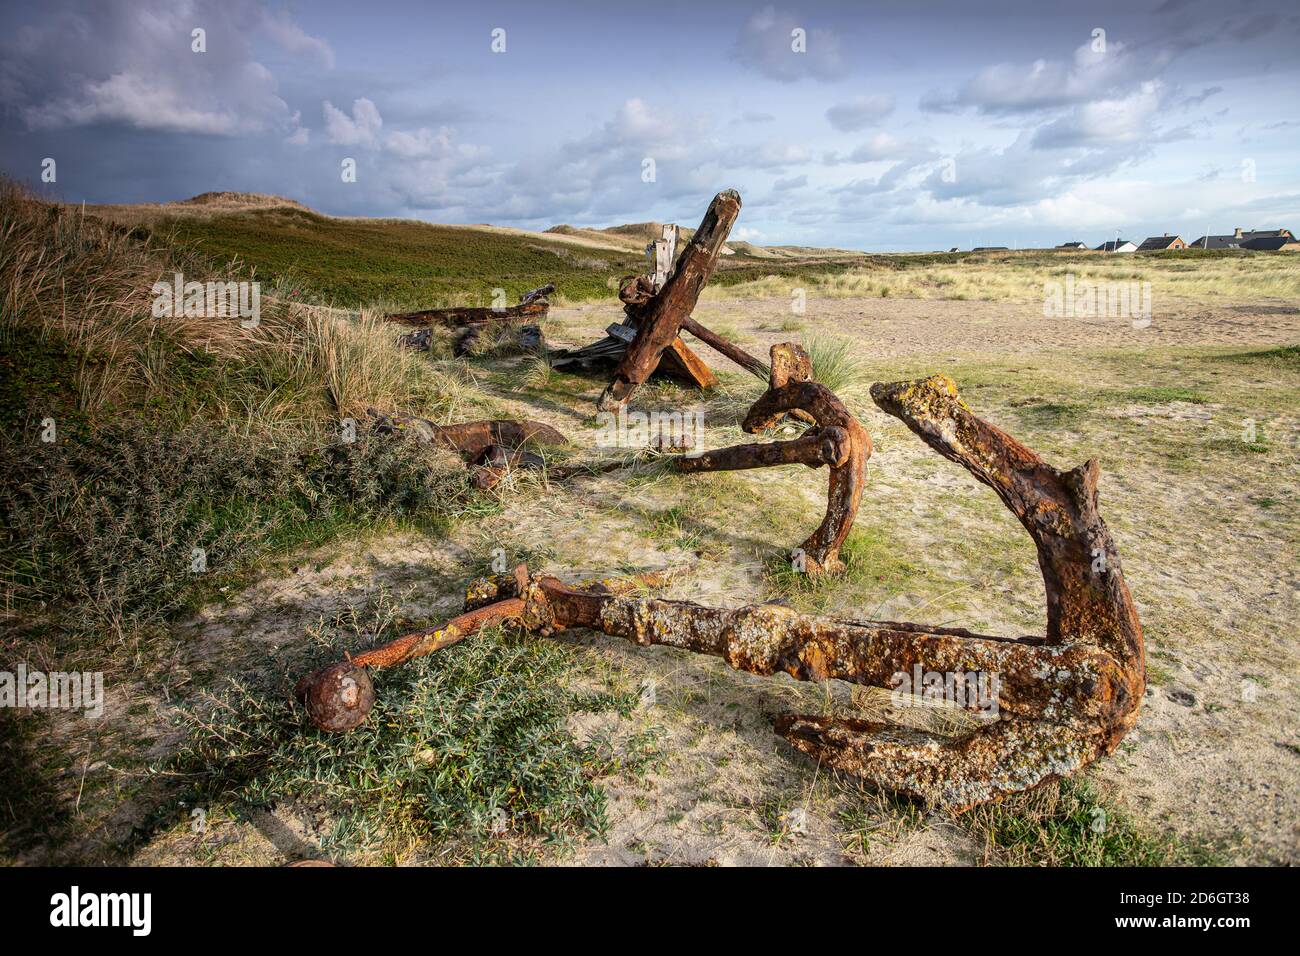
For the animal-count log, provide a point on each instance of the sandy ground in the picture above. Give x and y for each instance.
(934, 327)
(1217, 586)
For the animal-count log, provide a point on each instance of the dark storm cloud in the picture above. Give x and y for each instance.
(925, 119)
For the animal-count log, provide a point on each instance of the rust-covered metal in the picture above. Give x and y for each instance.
(836, 439)
(338, 696)
(533, 305)
(491, 449)
(1062, 699)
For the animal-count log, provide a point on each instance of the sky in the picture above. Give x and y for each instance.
(888, 126)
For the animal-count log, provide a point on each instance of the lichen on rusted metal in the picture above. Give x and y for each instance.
(1064, 699)
(1086, 676)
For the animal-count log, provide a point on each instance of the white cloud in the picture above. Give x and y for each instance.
(773, 154)
(137, 101)
(291, 37)
(1127, 119)
(1046, 84)
(883, 147)
(359, 129)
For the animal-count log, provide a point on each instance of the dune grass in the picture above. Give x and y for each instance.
(132, 439)
(1070, 824)
(401, 264)
(229, 438)
(1224, 275)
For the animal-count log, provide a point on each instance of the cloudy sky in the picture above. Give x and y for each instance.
(897, 126)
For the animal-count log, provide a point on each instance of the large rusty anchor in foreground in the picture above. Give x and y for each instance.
(1064, 699)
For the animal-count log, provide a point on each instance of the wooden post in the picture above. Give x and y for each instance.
(662, 254)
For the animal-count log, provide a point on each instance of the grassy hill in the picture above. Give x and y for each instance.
(349, 262)
(395, 264)
(400, 263)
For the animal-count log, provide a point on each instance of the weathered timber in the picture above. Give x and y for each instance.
(663, 316)
(541, 292)
(527, 337)
(417, 340)
(662, 254)
(738, 355)
(638, 292)
(678, 361)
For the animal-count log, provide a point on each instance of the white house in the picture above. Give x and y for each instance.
(1117, 245)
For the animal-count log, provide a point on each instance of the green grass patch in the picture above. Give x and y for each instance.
(466, 755)
(1068, 824)
(874, 571)
(1160, 394)
(1286, 357)
(400, 262)
(837, 363)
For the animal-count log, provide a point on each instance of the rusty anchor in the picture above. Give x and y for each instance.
(1064, 699)
(836, 439)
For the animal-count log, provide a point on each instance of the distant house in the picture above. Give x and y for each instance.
(1273, 244)
(1117, 245)
(1161, 243)
(1240, 238)
(1073, 245)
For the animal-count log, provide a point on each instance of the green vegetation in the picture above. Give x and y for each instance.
(466, 757)
(186, 452)
(403, 264)
(174, 434)
(111, 534)
(876, 568)
(1214, 275)
(837, 363)
(130, 441)
(1068, 824)
(1164, 393)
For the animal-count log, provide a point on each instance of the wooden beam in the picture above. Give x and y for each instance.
(664, 314)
